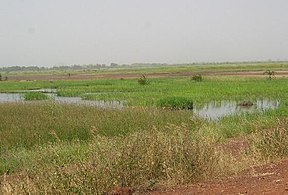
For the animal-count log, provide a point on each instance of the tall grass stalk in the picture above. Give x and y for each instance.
(139, 160)
(271, 144)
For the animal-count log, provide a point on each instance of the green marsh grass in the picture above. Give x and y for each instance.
(27, 125)
(176, 103)
(28, 96)
(200, 92)
(128, 90)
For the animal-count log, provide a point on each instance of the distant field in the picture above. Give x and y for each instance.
(158, 71)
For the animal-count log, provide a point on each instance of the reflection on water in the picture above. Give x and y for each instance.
(43, 90)
(212, 110)
(16, 97)
(215, 110)
(79, 101)
(10, 97)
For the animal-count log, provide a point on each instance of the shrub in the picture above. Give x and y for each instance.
(143, 80)
(35, 96)
(176, 103)
(270, 74)
(197, 77)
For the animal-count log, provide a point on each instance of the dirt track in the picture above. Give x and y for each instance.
(271, 178)
(267, 179)
(135, 75)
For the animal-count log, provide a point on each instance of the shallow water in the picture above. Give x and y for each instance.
(43, 90)
(16, 97)
(79, 101)
(215, 110)
(10, 97)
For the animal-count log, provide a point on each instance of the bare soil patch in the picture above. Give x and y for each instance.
(136, 75)
(271, 178)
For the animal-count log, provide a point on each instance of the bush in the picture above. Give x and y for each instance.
(197, 77)
(270, 74)
(35, 96)
(176, 103)
(143, 80)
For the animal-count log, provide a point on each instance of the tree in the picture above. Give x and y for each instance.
(113, 64)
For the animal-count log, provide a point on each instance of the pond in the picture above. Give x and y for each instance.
(80, 101)
(214, 110)
(10, 97)
(16, 97)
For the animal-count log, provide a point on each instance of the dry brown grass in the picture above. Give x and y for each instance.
(139, 160)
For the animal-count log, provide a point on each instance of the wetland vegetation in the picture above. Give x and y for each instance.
(49, 147)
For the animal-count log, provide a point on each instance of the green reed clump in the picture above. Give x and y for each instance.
(143, 80)
(35, 96)
(197, 78)
(176, 103)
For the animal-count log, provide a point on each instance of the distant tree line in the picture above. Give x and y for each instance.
(74, 67)
(114, 65)
(39, 69)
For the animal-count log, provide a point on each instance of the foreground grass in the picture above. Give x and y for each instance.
(25, 125)
(91, 150)
(140, 160)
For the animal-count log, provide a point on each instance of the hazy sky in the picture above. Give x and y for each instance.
(66, 32)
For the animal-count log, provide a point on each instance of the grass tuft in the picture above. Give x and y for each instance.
(35, 96)
(176, 103)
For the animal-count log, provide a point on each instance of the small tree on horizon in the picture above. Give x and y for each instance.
(270, 74)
